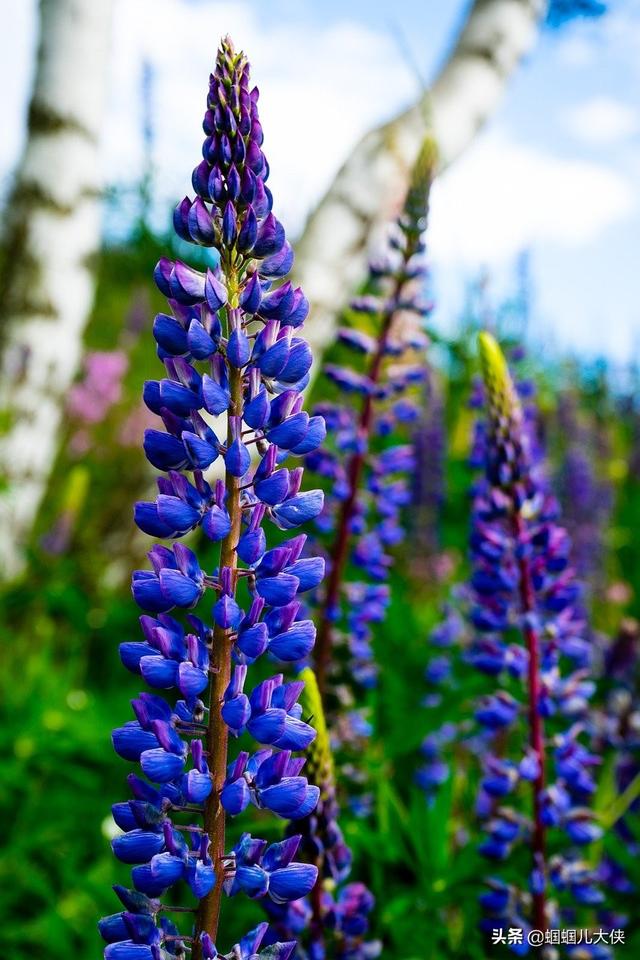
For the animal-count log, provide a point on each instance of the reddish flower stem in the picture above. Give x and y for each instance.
(340, 547)
(217, 736)
(339, 550)
(536, 727)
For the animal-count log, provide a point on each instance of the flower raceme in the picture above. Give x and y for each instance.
(332, 921)
(585, 492)
(526, 616)
(428, 486)
(232, 347)
(368, 482)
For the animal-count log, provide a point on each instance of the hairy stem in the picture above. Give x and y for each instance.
(536, 730)
(217, 732)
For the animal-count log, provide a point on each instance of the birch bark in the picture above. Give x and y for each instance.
(51, 239)
(331, 255)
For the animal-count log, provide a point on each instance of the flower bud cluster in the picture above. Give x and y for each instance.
(530, 642)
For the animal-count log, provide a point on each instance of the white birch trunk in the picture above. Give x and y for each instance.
(52, 238)
(332, 253)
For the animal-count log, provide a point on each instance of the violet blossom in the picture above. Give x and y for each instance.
(232, 348)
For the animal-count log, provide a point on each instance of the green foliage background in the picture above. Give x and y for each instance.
(62, 687)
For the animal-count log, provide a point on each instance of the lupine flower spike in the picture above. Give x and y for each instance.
(616, 732)
(232, 347)
(585, 492)
(428, 487)
(368, 485)
(522, 581)
(333, 920)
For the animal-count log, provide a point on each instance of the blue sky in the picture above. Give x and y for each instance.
(557, 171)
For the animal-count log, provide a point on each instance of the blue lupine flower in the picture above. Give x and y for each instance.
(229, 349)
(585, 493)
(333, 919)
(259, 870)
(368, 492)
(271, 780)
(366, 474)
(521, 581)
(615, 732)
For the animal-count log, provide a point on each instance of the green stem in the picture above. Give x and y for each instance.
(622, 803)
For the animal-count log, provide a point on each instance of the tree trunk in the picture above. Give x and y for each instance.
(51, 240)
(368, 190)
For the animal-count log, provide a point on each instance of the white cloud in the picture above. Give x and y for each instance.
(602, 120)
(501, 197)
(321, 90)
